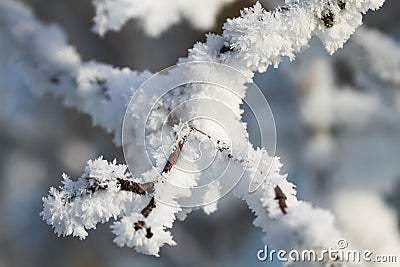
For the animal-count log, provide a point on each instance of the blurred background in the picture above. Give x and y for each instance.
(338, 126)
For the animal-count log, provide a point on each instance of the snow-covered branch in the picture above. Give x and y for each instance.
(155, 17)
(250, 43)
(105, 191)
(254, 41)
(377, 53)
(48, 64)
(259, 38)
(99, 194)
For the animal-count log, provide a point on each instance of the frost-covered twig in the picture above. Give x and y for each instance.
(253, 47)
(260, 39)
(249, 43)
(81, 205)
(356, 220)
(337, 117)
(104, 191)
(329, 111)
(154, 16)
(47, 64)
(99, 194)
(376, 53)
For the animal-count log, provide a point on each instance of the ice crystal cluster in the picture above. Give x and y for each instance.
(250, 43)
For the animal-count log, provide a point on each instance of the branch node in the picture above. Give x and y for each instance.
(138, 225)
(329, 20)
(149, 234)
